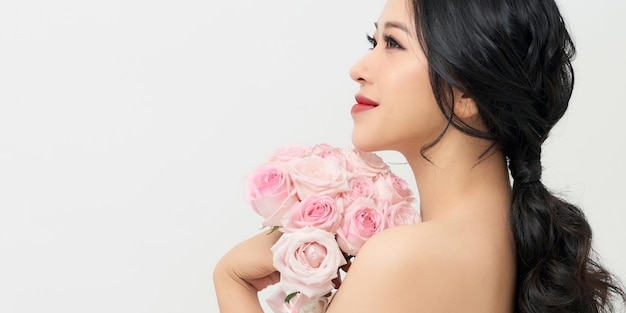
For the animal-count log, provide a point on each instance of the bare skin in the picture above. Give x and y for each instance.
(238, 277)
(461, 258)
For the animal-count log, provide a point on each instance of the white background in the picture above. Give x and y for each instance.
(127, 126)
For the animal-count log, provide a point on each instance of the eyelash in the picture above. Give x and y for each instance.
(391, 42)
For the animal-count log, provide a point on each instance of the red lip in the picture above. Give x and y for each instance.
(364, 100)
(362, 104)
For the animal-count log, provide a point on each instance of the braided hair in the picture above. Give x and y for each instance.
(513, 58)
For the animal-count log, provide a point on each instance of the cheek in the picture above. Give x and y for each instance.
(411, 95)
(413, 82)
(407, 103)
(419, 119)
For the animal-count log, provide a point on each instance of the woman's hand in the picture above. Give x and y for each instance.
(245, 270)
(251, 261)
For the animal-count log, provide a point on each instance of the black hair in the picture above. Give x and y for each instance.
(513, 58)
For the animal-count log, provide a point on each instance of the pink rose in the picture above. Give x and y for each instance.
(393, 188)
(298, 304)
(317, 305)
(323, 150)
(288, 153)
(277, 303)
(365, 163)
(314, 175)
(319, 211)
(362, 219)
(308, 260)
(360, 187)
(401, 213)
(270, 192)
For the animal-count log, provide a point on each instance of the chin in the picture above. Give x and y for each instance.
(366, 143)
(372, 142)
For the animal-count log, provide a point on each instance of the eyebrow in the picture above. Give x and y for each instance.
(394, 25)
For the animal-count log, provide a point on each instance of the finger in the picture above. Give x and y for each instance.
(273, 278)
(261, 283)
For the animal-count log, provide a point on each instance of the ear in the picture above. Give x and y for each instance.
(464, 106)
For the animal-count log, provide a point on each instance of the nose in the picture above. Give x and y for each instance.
(361, 71)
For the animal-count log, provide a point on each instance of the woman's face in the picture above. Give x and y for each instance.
(394, 75)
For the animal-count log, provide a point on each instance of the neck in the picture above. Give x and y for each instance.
(457, 174)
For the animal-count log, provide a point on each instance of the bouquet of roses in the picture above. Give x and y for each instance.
(327, 202)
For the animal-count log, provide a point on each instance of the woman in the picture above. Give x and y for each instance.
(466, 90)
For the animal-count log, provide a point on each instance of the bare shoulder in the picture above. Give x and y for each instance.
(427, 267)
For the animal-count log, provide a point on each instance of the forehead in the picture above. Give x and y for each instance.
(398, 11)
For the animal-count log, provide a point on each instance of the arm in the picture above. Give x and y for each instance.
(235, 295)
(243, 272)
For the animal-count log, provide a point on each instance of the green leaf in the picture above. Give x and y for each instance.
(275, 228)
(290, 296)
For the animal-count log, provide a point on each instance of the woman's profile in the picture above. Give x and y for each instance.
(467, 91)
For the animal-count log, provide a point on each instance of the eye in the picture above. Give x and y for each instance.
(372, 42)
(392, 43)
